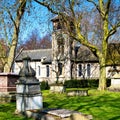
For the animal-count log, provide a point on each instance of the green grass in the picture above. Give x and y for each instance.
(7, 112)
(102, 105)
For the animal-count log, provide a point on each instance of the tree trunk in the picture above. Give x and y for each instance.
(10, 60)
(102, 78)
(8, 66)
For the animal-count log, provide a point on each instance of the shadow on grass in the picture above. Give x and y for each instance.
(5, 107)
(7, 112)
(45, 104)
(115, 118)
(101, 106)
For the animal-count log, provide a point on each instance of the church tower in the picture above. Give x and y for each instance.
(61, 52)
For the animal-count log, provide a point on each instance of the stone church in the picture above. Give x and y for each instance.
(66, 60)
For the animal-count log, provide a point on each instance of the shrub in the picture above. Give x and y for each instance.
(76, 83)
(44, 85)
(89, 83)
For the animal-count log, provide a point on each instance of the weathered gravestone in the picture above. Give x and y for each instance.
(28, 96)
(115, 83)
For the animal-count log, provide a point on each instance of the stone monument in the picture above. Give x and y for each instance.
(28, 94)
(7, 86)
(115, 82)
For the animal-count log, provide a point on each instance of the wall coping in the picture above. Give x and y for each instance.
(9, 74)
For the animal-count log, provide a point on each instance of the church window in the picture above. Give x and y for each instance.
(48, 71)
(60, 68)
(60, 43)
(39, 70)
(80, 70)
(88, 70)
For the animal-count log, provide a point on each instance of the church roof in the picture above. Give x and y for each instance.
(36, 55)
(84, 55)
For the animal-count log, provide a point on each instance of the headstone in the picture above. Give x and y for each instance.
(115, 83)
(28, 95)
(57, 88)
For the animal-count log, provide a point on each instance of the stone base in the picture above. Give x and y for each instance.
(77, 93)
(57, 88)
(26, 102)
(114, 89)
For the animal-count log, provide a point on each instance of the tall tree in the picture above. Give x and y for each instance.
(18, 7)
(69, 11)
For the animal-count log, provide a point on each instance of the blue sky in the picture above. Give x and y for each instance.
(38, 18)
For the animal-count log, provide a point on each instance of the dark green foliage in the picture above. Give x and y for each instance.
(44, 85)
(84, 83)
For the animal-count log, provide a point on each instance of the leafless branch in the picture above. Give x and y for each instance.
(114, 29)
(46, 5)
(11, 17)
(108, 7)
(97, 7)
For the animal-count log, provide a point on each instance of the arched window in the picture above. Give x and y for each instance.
(60, 68)
(88, 70)
(80, 70)
(39, 71)
(47, 71)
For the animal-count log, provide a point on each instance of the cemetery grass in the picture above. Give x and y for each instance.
(7, 112)
(103, 105)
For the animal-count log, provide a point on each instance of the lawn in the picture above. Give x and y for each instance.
(7, 112)
(102, 105)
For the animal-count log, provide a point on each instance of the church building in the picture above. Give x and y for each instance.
(66, 60)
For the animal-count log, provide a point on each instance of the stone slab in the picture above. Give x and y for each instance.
(57, 114)
(61, 112)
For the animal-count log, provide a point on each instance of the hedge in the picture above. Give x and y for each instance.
(86, 83)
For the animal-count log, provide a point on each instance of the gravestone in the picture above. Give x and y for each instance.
(28, 96)
(115, 82)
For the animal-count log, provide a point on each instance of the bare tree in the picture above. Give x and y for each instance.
(67, 10)
(45, 42)
(34, 42)
(15, 11)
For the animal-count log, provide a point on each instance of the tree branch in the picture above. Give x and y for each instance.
(100, 10)
(97, 7)
(107, 7)
(71, 7)
(48, 6)
(114, 29)
(10, 15)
